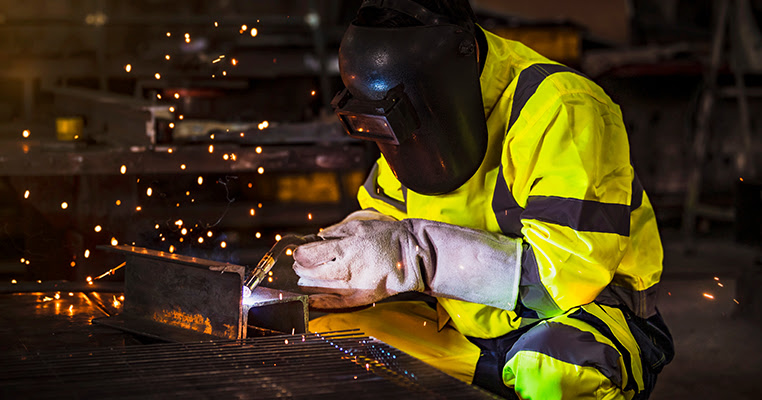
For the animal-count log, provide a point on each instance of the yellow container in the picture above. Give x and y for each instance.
(69, 128)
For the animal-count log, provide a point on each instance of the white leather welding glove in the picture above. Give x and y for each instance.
(364, 261)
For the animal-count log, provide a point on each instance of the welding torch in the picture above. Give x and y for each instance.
(258, 273)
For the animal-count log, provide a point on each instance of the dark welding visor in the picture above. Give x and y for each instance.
(415, 91)
(390, 120)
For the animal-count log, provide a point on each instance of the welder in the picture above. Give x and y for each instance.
(504, 237)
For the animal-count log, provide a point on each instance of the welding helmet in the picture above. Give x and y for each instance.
(415, 92)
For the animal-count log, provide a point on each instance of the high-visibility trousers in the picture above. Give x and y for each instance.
(592, 351)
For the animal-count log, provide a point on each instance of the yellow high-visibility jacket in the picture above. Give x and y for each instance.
(556, 173)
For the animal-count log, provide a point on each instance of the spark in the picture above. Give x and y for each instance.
(278, 238)
(171, 126)
(71, 294)
(64, 205)
(720, 284)
(716, 278)
(200, 180)
(87, 253)
(114, 242)
(57, 295)
(225, 157)
(167, 57)
(309, 216)
(13, 281)
(26, 133)
(171, 109)
(224, 73)
(270, 279)
(109, 272)
(234, 61)
(121, 298)
(254, 32)
(26, 194)
(258, 150)
(244, 27)
(184, 231)
(708, 296)
(223, 244)
(741, 179)
(22, 260)
(169, 34)
(286, 340)
(211, 148)
(118, 202)
(258, 235)
(216, 24)
(312, 93)
(138, 208)
(263, 125)
(73, 264)
(116, 302)
(171, 249)
(209, 233)
(89, 279)
(201, 239)
(233, 156)
(179, 222)
(259, 205)
(158, 96)
(128, 67)
(149, 192)
(123, 169)
(736, 301)
(182, 166)
(26, 262)
(289, 252)
(171, 150)
(181, 117)
(260, 170)
(252, 212)
(157, 75)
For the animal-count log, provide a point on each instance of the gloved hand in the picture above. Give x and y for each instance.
(362, 261)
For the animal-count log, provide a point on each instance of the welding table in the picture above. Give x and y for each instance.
(50, 350)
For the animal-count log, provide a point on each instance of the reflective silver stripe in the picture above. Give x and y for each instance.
(570, 345)
(375, 191)
(529, 80)
(605, 330)
(580, 215)
(504, 205)
(637, 193)
(507, 211)
(641, 302)
(532, 292)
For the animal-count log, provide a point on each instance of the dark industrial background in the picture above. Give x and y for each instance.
(204, 129)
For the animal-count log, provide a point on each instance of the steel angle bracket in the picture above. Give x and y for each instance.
(179, 298)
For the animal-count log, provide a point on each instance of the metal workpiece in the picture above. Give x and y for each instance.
(179, 298)
(308, 366)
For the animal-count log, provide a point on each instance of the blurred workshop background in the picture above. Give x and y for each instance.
(204, 128)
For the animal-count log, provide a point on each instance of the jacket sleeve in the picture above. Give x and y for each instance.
(382, 192)
(569, 157)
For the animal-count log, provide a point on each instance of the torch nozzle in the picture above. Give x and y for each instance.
(267, 262)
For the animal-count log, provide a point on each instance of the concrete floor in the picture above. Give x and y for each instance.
(718, 348)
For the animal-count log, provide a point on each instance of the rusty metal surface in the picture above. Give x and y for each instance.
(203, 298)
(310, 366)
